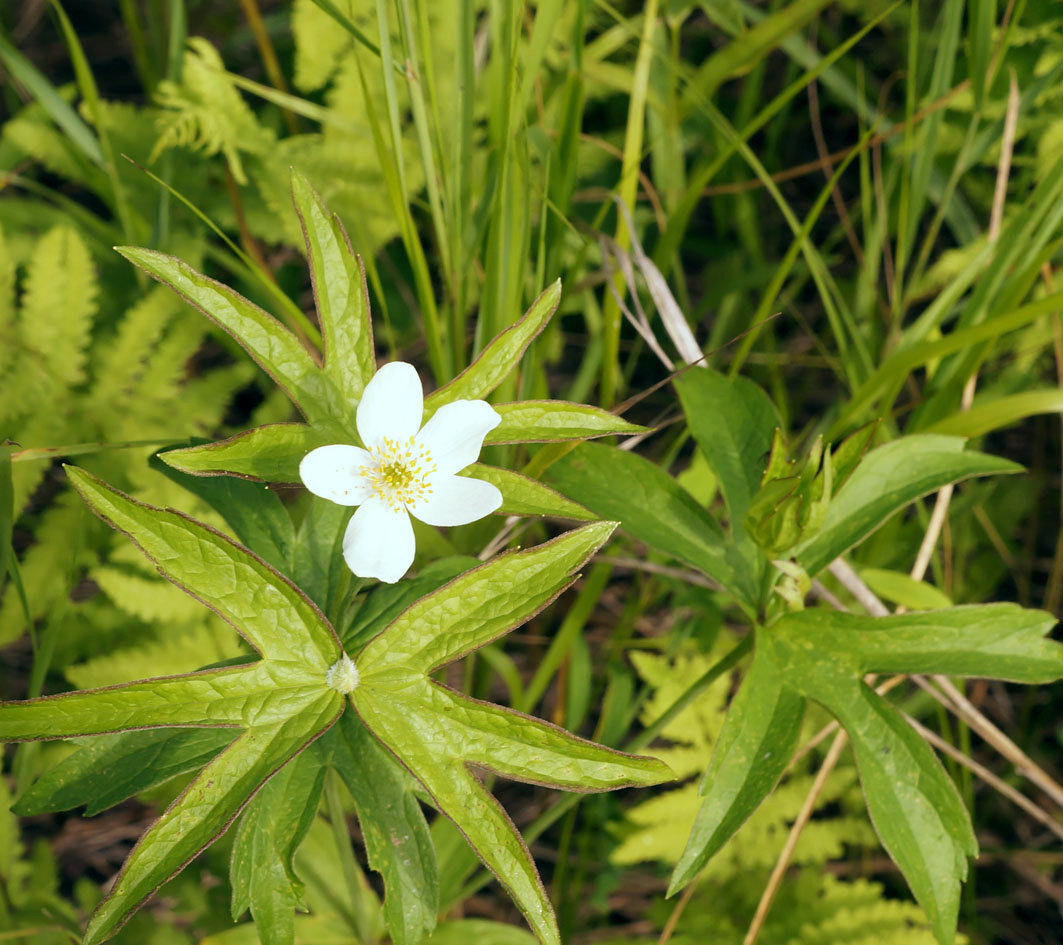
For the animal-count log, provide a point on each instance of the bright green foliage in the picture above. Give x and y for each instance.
(205, 112)
(439, 733)
(328, 395)
(282, 702)
(270, 831)
(655, 509)
(70, 377)
(915, 807)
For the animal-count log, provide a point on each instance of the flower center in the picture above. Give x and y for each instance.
(401, 473)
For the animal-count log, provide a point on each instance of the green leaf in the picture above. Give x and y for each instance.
(110, 768)
(996, 641)
(898, 588)
(543, 421)
(257, 517)
(218, 697)
(522, 495)
(265, 608)
(270, 830)
(733, 422)
(888, 479)
(208, 806)
(281, 703)
(654, 508)
(438, 733)
(1000, 412)
(275, 349)
(339, 291)
(915, 807)
(481, 605)
(269, 453)
(500, 356)
(754, 747)
(397, 840)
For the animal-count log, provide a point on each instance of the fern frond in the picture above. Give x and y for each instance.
(180, 649)
(319, 44)
(58, 305)
(206, 112)
(37, 138)
(120, 361)
(66, 540)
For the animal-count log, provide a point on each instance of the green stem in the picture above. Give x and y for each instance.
(361, 915)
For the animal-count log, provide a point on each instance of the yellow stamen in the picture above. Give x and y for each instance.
(400, 473)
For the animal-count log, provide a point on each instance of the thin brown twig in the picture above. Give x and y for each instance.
(960, 706)
(803, 817)
(980, 771)
(673, 919)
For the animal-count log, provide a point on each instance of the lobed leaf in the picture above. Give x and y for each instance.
(542, 421)
(500, 356)
(437, 733)
(264, 607)
(340, 293)
(275, 349)
(888, 479)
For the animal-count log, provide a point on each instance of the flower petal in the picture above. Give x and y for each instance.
(379, 542)
(455, 434)
(457, 500)
(391, 405)
(335, 473)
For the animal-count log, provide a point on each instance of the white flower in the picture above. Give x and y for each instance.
(404, 470)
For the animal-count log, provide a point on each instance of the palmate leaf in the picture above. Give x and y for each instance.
(282, 702)
(823, 655)
(439, 733)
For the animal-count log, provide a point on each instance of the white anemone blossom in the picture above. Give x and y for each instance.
(405, 469)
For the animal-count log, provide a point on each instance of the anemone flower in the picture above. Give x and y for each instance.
(405, 469)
